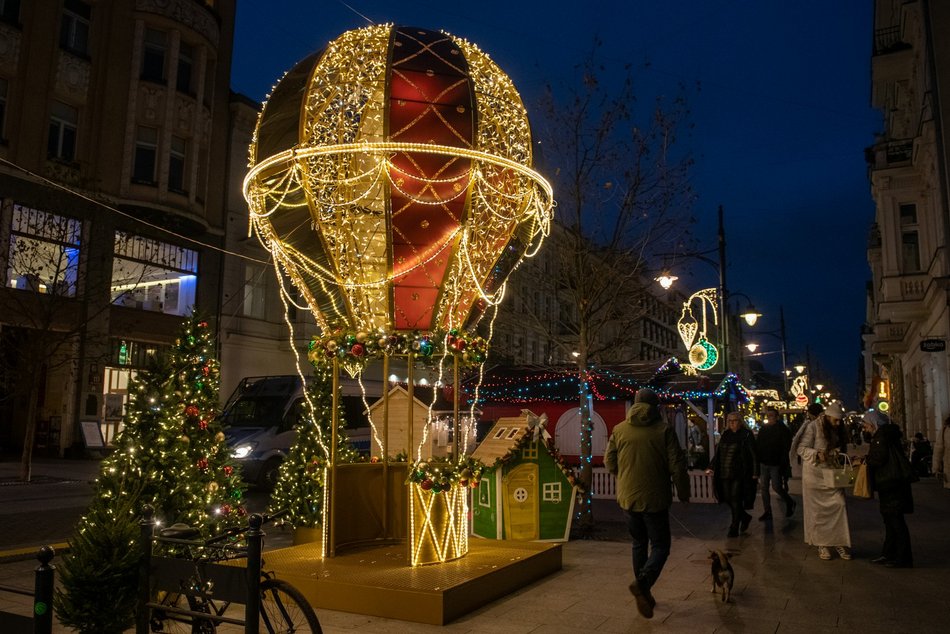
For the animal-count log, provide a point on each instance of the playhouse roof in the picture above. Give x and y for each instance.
(509, 433)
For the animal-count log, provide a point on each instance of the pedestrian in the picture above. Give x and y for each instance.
(772, 446)
(697, 450)
(735, 471)
(644, 455)
(825, 516)
(890, 475)
(941, 459)
(921, 455)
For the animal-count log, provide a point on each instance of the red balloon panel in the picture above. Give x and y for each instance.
(431, 99)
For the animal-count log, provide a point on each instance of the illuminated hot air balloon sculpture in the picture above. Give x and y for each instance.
(390, 177)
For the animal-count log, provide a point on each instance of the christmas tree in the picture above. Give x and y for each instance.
(171, 454)
(299, 488)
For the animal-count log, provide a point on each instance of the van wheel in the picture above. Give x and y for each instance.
(270, 473)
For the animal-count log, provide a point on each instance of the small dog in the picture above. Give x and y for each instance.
(722, 573)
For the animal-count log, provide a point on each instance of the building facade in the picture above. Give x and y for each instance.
(115, 119)
(905, 339)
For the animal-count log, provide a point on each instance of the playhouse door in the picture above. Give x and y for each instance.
(521, 503)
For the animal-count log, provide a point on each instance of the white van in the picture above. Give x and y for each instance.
(259, 424)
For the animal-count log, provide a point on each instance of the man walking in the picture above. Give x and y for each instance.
(772, 445)
(644, 454)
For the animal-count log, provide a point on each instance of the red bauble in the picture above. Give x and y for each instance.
(206, 370)
(191, 410)
(426, 484)
(202, 324)
(226, 508)
(241, 511)
(357, 350)
(203, 424)
(228, 470)
(202, 464)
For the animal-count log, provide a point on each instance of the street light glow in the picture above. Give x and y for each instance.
(666, 280)
(799, 368)
(752, 347)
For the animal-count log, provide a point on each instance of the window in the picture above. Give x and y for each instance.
(186, 64)
(146, 149)
(62, 132)
(484, 492)
(153, 56)
(74, 27)
(44, 252)
(10, 11)
(176, 165)
(513, 432)
(910, 252)
(530, 451)
(152, 275)
(254, 290)
(3, 107)
(500, 433)
(908, 213)
(551, 491)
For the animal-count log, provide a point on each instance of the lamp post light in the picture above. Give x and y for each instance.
(781, 336)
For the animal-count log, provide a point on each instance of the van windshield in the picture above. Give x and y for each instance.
(255, 411)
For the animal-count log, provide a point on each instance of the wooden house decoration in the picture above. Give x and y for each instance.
(526, 492)
(438, 441)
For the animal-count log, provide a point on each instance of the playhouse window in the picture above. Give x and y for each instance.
(500, 433)
(530, 451)
(484, 493)
(512, 433)
(551, 491)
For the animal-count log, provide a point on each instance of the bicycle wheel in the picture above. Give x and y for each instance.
(284, 609)
(171, 623)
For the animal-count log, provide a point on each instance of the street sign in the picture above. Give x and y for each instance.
(933, 345)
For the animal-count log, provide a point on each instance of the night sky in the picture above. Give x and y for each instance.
(780, 96)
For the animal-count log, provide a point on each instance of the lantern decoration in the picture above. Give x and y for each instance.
(391, 180)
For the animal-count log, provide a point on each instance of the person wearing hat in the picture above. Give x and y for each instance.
(825, 516)
(644, 454)
(890, 475)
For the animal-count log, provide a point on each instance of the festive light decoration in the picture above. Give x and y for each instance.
(391, 179)
(702, 354)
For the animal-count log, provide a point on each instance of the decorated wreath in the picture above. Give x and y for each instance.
(440, 474)
(357, 348)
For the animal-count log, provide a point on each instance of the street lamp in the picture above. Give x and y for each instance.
(781, 336)
(666, 280)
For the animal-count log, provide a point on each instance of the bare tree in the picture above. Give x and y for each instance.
(622, 194)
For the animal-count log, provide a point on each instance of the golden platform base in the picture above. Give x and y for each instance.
(378, 581)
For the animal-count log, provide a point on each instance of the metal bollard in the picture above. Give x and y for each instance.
(255, 545)
(43, 592)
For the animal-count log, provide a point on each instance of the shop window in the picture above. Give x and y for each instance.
(176, 165)
(74, 27)
(152, 275)
(44, 252)
(146, 151)
(153, 56)
(61, 143)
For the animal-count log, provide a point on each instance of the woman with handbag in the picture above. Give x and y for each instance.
(735, 470)
(890, 474)
(823, 505)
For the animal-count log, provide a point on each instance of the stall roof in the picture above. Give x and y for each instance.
(671, 381)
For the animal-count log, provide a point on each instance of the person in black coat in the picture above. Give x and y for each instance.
(890, 475)
(736, 468)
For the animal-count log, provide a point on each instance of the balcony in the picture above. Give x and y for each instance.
(890, 154)
(903, 297)
(887, 338)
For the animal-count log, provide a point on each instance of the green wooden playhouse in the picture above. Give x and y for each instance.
(526, 493)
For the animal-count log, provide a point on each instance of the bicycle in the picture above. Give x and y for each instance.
(197, 589)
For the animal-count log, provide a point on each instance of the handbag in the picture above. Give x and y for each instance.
(839, 477)
(862, 488)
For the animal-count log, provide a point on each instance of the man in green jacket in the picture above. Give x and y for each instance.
(644, 455)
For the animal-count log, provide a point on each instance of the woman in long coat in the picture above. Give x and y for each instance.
(890, 475)
(735, 468)
(823, 507)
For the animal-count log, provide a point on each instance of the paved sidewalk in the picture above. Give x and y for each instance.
(781, 585)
